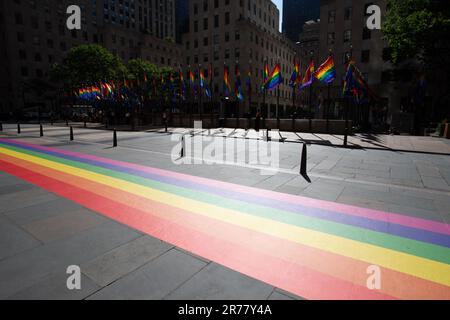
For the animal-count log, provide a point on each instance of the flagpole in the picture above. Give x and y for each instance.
(347, 106)
(200, 99)
(211, 89)
(264, 97)
(329, 103)
(249, 88)
(310, 96)
(294, 87)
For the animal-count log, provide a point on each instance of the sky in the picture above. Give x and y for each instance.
(279, 4)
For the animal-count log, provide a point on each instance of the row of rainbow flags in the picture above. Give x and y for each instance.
(354, 83)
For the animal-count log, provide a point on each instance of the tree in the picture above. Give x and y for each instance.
(418, 29)
(88, 64)
(138, 68)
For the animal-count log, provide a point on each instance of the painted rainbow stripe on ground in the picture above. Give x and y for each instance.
(312, 248)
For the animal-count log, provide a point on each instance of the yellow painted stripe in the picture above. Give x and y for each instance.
(417, 266)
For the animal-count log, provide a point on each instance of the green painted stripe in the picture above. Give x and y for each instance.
(410, 246)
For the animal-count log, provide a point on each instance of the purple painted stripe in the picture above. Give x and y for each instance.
(404, 220)
(379, 226)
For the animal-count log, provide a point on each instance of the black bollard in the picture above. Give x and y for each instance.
(41, 130)
(303, 165)
(85, 124)
(346, 137)
(1, 126)
(67, 123)
(267, 134)
(183, 143)
(115, 138)
(18, 128)
(165, 123)
(71, 134)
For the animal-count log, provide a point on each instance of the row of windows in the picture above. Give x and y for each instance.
(347, 36)
(348, 13)
(262, 15)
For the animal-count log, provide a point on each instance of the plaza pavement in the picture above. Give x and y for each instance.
(41, 233)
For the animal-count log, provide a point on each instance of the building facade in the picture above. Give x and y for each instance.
(34, 37)
(296, 13)
(243, 33)
(343, 30)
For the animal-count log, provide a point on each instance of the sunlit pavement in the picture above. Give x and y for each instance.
(142, 227)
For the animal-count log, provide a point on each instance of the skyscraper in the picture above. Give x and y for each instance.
(181, 18)
(296, 13)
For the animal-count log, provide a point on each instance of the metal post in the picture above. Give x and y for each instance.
(115, 138)
(71, 133)
(41, 130)
(183, 143)
(18, 128)
(310, 108)
(303, 165)
(328, 108)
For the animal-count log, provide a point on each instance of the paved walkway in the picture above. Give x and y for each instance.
(107, 210)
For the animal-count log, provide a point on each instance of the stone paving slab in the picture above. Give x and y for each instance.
(42, 210)
(115, 264)
(217, 283)
(29, 267)
(63, 226)
(155, 280)
(14, 240)
(53, 287)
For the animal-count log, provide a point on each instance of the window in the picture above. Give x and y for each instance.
(348, 13)
(331, 38)
(332, 16)
(216, 21)
(365, 56)
(227, 18)
(367, 34)
(19, 18)
(347, 36)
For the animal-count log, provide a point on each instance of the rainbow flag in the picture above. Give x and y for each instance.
(327, 71)
(266, 72)
(275, 78)
(248, 82)
(202, 79)
(354, 82)
(191, 77)
(295, 77)
(238, 85)
(311, 248)
(226, 82)
(308, 79)
(265, 75)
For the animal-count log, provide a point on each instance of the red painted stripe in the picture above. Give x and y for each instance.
(288, 253)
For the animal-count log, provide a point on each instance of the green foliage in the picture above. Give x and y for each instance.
(138, 68)
(88, 64)
(418, 28)
(91, 64)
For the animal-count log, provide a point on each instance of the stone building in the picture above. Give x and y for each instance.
(243, 32)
